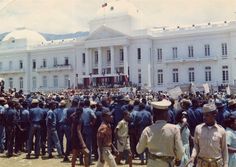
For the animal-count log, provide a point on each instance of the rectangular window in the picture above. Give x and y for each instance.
(225, 74)
(44, 63)
(66, 62)
(54, 61)
(66, 81)
(11, 83)
(96, 57)
(21, 83)
(207, 50)
(139, 54)
(108, 56)
(159, 77)
(45, 82)
(191, 74)
(34, 79)
(121, 55)
(10, 65)
(175, 74)
(224, 49)
(55, 81)
(139, 78)
(84, 59)
(175, 52)
(21, 64)
(207, 73)
(190, 51)
(34, 64)
(159, 54)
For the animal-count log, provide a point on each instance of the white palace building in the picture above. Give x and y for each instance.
(118, 49)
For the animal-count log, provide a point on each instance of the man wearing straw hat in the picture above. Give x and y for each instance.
(162, 139)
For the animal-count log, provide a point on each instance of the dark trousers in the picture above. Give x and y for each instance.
(10, 132)
(134, 138)
(2, 138)
(88, 139)
(35, 131)
(21, 137)
(64, 130)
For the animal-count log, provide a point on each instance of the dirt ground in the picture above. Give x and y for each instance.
(20, 161)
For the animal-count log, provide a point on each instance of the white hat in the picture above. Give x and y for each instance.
(209, 108)
(164, 104)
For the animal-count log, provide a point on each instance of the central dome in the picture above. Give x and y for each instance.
(117, 8)
(32, 37)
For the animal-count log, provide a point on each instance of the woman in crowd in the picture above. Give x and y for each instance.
(230, 123)
(181, 119)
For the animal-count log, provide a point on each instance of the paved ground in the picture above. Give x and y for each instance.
(20, 161)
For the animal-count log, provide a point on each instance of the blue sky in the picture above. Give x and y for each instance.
(65, 16)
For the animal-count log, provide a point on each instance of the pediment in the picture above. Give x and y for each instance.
(104, 32)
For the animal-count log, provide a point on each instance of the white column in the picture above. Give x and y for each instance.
(99, 61)
(125, 50)
(112, 60)
(87, 61)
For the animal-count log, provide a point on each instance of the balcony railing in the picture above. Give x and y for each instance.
(191, 59)
(12, 71)
(61, 67)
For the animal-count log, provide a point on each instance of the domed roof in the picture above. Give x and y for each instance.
(117, 8)
(32, 37)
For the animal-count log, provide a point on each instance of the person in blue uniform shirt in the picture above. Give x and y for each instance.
(88, 121)
(51, 130)
(62, 128)
(10, 116)
(36, 116)
(144, 119)
(222, 112)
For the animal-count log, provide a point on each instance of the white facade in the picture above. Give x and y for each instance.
(119, 47)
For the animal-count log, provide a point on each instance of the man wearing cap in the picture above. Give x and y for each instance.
(104, 141)
(88, 121)
(162, 139)
(222, 112)
(62, 129)
(210, 147)
(10, 116)
(51, 130)
(36, 116)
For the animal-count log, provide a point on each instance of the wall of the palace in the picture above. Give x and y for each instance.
(145, 69)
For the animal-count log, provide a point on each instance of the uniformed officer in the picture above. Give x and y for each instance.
(144, 119)
(62, 129)
(36, 116)
(10, 116)
(88, 120)
(210, 147)
(51, 130)
(162, 139)
(222, 112)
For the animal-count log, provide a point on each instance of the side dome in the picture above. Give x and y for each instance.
(32, 37)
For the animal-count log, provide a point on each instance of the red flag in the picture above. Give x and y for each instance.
(104, 5)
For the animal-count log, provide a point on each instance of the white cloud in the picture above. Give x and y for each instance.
(63, 16)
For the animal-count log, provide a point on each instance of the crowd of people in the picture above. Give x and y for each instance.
(109, 126)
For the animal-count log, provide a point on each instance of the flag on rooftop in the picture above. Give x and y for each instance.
(104, 5)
